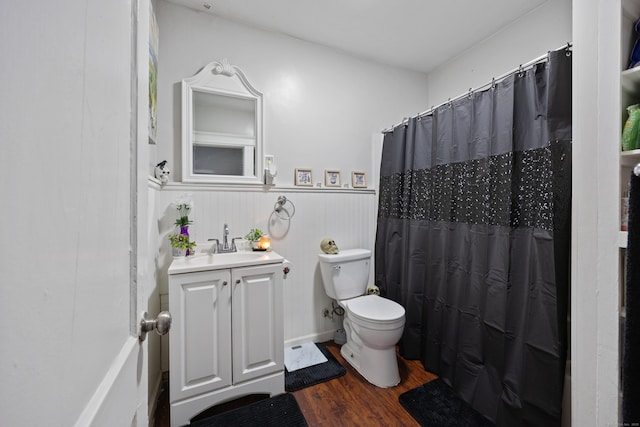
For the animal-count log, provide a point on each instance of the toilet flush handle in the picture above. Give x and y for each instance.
(336, 267)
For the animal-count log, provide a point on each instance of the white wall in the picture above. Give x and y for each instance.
(322, 109)
(596, 191)
(546, 28)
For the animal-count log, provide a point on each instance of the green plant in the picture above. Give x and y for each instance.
(254, 235)
(182, 242)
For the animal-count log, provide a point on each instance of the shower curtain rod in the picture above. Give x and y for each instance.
(521, 68)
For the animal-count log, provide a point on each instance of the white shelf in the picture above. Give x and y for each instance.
(629, 158)
(630, 79)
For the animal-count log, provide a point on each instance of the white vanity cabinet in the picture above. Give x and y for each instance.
(227, 338)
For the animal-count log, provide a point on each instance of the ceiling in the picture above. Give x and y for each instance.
(413, 34)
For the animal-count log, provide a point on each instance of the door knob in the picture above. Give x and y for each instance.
(161, 324)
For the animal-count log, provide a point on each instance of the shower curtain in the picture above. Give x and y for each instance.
(473, 239)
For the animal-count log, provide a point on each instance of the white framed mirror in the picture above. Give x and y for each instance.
(221, 127)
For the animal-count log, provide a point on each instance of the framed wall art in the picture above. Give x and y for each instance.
(303, 177)
(358, 179)
(332, 178)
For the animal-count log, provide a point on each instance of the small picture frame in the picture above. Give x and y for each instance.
(358, 179)
(303, 177)
(332, 178)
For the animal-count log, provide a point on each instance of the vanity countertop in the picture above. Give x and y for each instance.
(217, 261)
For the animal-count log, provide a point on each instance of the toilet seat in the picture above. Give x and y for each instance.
(375, 311)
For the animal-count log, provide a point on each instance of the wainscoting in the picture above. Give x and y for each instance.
(346, 215)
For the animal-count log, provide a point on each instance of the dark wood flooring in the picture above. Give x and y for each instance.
(346, 401)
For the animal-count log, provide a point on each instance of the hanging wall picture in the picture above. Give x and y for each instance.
(303, 177)
(332, 178)
(154, 37)
(358, 179)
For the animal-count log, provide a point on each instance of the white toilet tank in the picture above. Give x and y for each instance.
(346, 274)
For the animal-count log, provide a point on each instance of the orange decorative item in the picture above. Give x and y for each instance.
(264, 243)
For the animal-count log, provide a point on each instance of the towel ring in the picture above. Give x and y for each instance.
(281, 211)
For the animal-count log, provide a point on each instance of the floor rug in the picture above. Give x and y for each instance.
(282, 410)
(435, 404)
(315, 374)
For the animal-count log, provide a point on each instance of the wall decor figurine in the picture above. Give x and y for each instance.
(161, 171)
(329, 246)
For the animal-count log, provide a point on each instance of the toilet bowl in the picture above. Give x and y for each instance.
(373, 324)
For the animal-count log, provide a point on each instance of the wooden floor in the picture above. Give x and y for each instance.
(349, 400)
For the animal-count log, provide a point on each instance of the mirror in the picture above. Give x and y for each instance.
(221, 127)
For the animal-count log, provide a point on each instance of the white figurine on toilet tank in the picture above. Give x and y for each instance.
(373, 324)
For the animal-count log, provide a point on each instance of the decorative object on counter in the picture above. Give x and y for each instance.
(332, 178)
(264, 244)
(253, 237)
(161, 171)
(270, 170)
(304, 177)
(329, 246)
(373, 290)
(181, 241)
(630, 129)
(281, 210)
(358, 179)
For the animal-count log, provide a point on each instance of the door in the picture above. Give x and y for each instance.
(75, 273)
(258, 343)
(200, 349)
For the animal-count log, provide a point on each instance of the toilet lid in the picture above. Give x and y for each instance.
(373, 307)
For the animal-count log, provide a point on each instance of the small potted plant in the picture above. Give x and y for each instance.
(180, 241)
(254, 237)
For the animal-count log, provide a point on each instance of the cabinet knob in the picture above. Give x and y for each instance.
(224, 283)
(237, 281)
(161, 324)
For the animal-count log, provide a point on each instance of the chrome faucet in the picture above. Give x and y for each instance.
(225, 238)
(225, 247)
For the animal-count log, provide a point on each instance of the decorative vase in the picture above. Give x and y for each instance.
(184, 230)
(178, 253)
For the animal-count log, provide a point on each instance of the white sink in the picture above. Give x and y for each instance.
(206, 261)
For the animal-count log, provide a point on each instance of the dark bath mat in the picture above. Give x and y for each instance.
(435, 404)
(315, 374)
(282, 410)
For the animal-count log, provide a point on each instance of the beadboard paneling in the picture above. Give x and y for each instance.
(347, 216)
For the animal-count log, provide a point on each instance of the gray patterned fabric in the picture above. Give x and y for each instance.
(473, 240)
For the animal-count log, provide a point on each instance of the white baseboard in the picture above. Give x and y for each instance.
(319, 337)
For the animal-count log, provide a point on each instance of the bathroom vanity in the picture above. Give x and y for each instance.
(226, 340)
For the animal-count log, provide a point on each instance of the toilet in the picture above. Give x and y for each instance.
(373, 324)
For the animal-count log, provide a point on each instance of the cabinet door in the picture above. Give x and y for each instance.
(200, 336)
(258, 336)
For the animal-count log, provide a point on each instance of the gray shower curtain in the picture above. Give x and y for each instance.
(473, 240)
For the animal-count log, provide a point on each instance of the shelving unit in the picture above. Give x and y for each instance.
(629, 95)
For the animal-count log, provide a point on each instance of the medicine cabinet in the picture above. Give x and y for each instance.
(221, 127)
